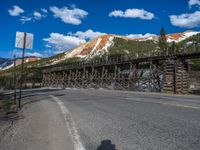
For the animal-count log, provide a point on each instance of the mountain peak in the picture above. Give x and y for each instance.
(113, 44)
(101, 44)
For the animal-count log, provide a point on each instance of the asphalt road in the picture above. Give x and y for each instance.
(109, 120)
(134, 121)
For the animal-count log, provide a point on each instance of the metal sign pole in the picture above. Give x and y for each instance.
(15, 94)
(22, 71)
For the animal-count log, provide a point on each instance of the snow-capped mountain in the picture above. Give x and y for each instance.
(112, 43)
(90, 49)
(175, 37)
(103, 43)
(98, 46)
(5, 62)
(178, 37)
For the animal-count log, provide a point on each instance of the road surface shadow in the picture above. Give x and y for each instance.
(106, 145)
(59, 95)
(11, 117)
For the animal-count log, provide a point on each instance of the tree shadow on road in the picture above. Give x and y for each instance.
(106, 145)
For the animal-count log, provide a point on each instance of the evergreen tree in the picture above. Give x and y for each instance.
(173, 49)
(163, 42)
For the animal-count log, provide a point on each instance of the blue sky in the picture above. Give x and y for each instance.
(59, 25)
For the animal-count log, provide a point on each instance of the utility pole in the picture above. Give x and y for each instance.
(22, 71)
(15, 94)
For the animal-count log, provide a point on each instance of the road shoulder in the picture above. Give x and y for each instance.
(40, 126)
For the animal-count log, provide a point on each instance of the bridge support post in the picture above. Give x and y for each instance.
(115, 77)
(102, 76)
(130, 76)
(69, 78)
(44, 79)
(83, 77)
(175, 79)
(91, 76)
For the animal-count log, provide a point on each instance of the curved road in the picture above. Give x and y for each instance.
(109, 120)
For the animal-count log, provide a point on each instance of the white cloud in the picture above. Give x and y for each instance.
(37, 15)
(19, 53)
(133, 13)
(69, 15)
(72, 5)
(44, 10)
(89, 34)
(24, 19)
(15, 11)
(140, 35)
(117, 13)
(61, 42)
(193, 2)
(186, 20)
(48, 46)
(36, 54)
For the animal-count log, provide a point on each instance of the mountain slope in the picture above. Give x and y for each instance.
(104, 43)
(5, 62)
(116, 45)
(95, 47)
(178, 37)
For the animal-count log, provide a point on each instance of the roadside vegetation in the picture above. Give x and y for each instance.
(133, 48)
(7, 104)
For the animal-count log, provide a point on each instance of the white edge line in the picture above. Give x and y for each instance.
(70, 124)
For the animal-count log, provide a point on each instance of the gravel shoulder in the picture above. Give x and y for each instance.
(39, 126)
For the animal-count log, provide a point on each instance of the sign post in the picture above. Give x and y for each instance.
(15, 94)
(23, 40)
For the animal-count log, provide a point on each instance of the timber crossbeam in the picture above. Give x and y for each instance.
(167, 73)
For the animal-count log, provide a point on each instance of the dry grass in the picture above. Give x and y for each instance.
(7, 106)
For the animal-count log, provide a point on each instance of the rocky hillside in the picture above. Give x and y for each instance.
(116, 45)
(110, 43)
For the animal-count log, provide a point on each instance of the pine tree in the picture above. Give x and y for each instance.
(173, 49)
(163, 42)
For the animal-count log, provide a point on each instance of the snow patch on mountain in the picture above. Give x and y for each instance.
(101, 45)
(75, 52)
(92, 53)
(7, 67)
(178, 37)
(4, 63)
(108, 44)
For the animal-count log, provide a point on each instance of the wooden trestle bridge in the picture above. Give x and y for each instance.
(167, 73)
